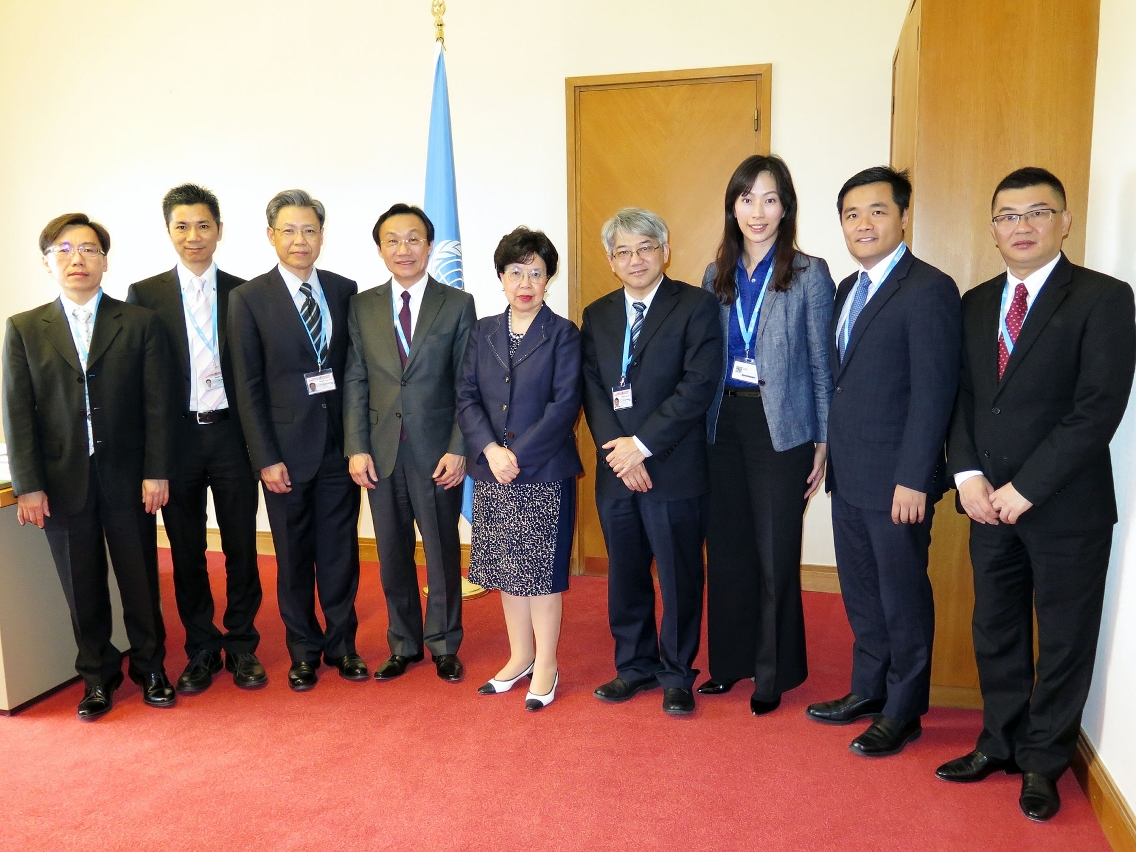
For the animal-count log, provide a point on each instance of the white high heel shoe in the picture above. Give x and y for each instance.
(494, 686)
(539, 702)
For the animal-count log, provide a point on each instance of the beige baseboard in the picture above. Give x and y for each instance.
(1108, 803)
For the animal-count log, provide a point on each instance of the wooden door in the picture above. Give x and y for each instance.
(667, 142)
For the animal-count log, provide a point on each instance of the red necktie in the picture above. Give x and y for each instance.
(1014, 319)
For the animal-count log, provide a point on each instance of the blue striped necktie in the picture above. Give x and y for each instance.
(313, 319)
(859, 299)
(637, 323)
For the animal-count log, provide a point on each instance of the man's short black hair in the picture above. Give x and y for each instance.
(1027, 177)
(401, 209)
(189, 194)
(900, 185)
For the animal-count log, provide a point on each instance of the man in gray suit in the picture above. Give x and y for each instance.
(408, 339)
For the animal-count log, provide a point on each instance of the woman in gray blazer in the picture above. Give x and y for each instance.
(766, 430)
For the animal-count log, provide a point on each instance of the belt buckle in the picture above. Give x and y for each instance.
(203, 418)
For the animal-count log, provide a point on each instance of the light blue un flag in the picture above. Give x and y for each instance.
(442, 207)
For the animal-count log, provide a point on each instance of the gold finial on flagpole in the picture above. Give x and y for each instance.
(438, 9)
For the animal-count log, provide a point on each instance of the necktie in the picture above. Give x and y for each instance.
(404, 321)
(1014, 319)
(859, 299)
(637, 323)
(208, 398)
(313, 319)
(83, 317)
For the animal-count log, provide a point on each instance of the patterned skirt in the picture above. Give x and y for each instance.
(522, 536)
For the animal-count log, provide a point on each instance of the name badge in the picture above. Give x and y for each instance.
(621, 398)
(744, 370)
(320, 382)
(212, 378)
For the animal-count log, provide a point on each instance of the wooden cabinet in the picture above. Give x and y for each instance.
(980, 88)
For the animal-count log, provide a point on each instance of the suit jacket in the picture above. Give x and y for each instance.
(1047, 424)
(162, 294)
(533, 399)
(675, 366)
(380, 396)
(281, 421)
(44, 409)
(792, 355)
(895, 388)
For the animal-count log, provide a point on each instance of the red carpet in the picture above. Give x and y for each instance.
(425, 765)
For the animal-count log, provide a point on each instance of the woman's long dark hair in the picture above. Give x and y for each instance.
(732, 246)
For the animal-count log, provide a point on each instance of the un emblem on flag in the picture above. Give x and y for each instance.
(446, 263)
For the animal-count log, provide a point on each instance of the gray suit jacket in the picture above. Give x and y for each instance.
(792, 356)
(380, 397)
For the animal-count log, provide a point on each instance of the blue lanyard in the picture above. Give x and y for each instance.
(398, 325)
(900, 252)
(324, 314)
(626, 349)
(211, 344)
(747, 333)
(1005, 332)
(80, 344)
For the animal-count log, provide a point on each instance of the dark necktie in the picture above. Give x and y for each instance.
(637, 323)
(404, 321)
(313, 319)
(859, 299)
(1014, 319)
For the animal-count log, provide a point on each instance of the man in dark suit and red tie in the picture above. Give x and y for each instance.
(290, 330)
(895, 364)
(1048, 357)
(209, 452)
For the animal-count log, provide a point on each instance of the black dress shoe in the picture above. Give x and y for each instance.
(449, 667)
(678, 701)
(619, 689)
(351, 666)
(98, 698)
(714, 687)
(886, 737)
(974, 767)
(845, 710)
(302, 676)
(199, 671)
(395, 666)
(157, 691)
(1039, 800)
(759, 707)
(247, 671)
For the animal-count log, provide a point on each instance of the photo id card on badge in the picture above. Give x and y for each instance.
(744, 370)
(621, 397)
(212, 378)
(320, 382)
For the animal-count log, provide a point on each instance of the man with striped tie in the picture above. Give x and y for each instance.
(895, 366)
(192, 301)
(289, 326)
(1048, 356)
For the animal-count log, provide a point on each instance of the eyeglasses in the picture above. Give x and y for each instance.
(643, 252)
(1006, 221)
(516, 275)
(291, 233)
(67, 251)
(410, 242)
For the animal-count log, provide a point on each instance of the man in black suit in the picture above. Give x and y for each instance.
(192, 301)
(290, 329)
(895, 367)
(86, 414)
(652, 358)
(1048, 356)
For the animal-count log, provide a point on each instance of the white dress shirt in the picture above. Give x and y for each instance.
(416, 290)
(82, 350)
(630, 300)
(293, 282)
(876, 275)
(213, 398)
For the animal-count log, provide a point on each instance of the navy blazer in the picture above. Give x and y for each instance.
(535, 398)
(895, 387)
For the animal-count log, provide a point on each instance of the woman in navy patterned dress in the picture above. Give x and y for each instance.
(518, 399)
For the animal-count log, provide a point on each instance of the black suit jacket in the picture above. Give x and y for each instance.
(674, 372)
(895, 387)
(44, 409)
(162, 294)
(1047, 424)
(271, 354)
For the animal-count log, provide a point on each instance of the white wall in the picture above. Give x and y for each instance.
(105, 107)
(1112, 249)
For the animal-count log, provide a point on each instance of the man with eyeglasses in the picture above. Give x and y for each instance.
(290, 330)
(192, 300)
(408, 339)
(652, 353)
(1048, 358)
(86, 414)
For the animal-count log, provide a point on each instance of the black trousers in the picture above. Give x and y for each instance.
(1017, 570)
(315, 531)
(756, 624)
(636, 530)
(883, 579)
(214, 457)
(79, 545)
(407, 496)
